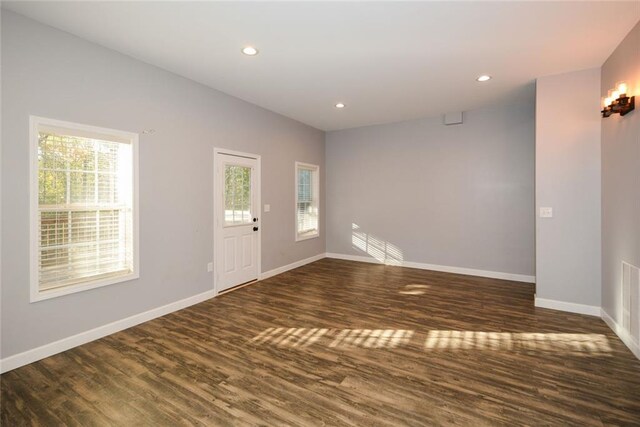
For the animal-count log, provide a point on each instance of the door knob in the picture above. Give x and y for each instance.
(255, 219)
(255, 228)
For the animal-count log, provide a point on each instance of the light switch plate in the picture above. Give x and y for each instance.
(546, 212)
(210, 267)
(267, 208)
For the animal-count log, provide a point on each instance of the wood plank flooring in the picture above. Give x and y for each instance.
(342, 343)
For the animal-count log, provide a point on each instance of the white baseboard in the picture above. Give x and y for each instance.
(621, 333)
(291, 266)
(570, 307)
(443, 268)
(30, 356)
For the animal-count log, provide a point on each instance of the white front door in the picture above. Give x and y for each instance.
(237, 225)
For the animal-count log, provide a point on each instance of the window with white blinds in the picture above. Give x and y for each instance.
(307, 200)
(84, 224)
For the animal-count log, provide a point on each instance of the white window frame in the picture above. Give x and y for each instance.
(35, 123)
(315, 191)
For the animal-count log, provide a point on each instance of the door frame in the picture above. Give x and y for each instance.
(217, 224)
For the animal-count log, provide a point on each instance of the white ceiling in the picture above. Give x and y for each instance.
(387, 61)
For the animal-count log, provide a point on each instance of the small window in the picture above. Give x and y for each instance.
(83, 207)
(237, 195)
(307, 201)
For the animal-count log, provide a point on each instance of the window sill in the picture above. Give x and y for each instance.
(37, 295)
(301, 237)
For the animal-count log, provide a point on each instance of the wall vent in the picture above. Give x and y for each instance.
(631, 301)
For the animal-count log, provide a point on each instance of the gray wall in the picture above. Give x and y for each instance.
(620, 175)
(50, 73)
(458, 196)
(568, 180)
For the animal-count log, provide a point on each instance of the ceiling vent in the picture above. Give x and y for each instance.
(453, 118)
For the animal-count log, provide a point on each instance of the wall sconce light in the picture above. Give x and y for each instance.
(618, 102)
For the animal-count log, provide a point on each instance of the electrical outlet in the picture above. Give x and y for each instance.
(546, 212)
(210, 267)
(267, 208)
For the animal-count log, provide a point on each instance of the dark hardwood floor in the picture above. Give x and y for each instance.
(342, 343)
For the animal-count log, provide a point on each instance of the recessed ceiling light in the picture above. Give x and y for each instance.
(250, 50)
(484, 78)
(339, 105)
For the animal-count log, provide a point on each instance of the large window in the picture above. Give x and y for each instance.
(84, 207)
(307, 200)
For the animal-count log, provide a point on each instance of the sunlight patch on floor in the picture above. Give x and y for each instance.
(414, 289)
(292, 337)
(372, 338)
(515, 341)
(435, 340)
(340, 338)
